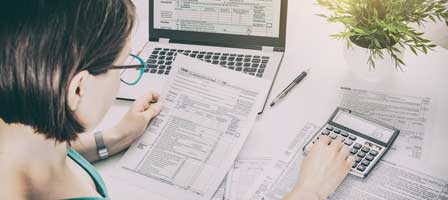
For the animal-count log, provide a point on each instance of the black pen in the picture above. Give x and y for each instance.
(285, 91)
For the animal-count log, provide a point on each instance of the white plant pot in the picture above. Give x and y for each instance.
(357, 57)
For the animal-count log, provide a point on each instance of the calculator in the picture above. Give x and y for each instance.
(368, 139)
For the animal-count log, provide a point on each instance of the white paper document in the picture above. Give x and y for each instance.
(188, 148)
(407, 113)
(387, 180)
(243, 174)
(280, 176)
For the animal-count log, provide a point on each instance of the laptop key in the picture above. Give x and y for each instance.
(170, 53)
(169, 58)
(247, 60)
(215, 62)
(255, 65)
(151, 61)
(264, 61)
(232, 59)
(146, 70)
(180, 50)
(161, 62)
(251, 73)
(249, 69)
(162, 67)
(195, 51)
(265, 57)
(246, 64)
(167, 72)
(240, 55)
(202, 52)
(160, 71)
(239, 64)
(158, 49)
(215, 57)
(231, 67)
(239, 68)
(260, 70)
(208, 57)
(168, 67)
(223, 62)
(256, 60)
(162, 53)
(153, 71)
(259, 75)
(193, 55)
(162, 57)
(239, 59)
(263, 66)
(223, 58)
(200, 56)
(231, 63)
(155, 52)
(256, 56)
(152, 66)
(209, 61)
(153, 57)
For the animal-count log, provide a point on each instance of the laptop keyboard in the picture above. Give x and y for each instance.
(160, 61)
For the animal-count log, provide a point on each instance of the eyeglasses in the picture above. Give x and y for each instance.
(134, 78)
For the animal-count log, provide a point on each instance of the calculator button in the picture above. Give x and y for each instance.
(357, 146)
(361, 168)
(365, 149)
(361, 154)
(373, 152)
(329, 128)
(333, 136)
(352, 137)
(337, 131)
(358, 159)
(365, 162)
(369, 157)
(354, 151)
(344, 134)
(348, 142)
(325, 132)
(354, 165)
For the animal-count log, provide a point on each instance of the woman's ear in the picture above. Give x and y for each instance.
(77, 89)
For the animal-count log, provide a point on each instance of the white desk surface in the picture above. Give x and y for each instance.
(309, 46)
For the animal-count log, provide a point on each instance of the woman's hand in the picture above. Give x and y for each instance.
(134, 123)
(121, 136)
(322, 170)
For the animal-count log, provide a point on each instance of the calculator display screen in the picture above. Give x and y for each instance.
(363, 126)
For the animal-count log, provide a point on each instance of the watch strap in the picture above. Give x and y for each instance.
(101, 148)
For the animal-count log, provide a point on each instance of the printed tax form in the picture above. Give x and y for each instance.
(207, 114)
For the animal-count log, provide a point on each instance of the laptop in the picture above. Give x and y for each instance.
(247, 36)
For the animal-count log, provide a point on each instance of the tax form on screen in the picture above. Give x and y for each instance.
(188, 148)
(242, 17)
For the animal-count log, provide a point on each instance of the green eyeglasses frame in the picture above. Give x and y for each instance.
(141, 67)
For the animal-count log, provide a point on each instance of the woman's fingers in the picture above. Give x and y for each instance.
(323, 140)
(349, 162)
(143, 103)
(336, 145)
(154, 109)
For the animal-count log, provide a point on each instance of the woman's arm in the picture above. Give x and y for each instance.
(121, 136)
(322, 170)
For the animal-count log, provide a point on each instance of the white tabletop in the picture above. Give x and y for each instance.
(309, 46)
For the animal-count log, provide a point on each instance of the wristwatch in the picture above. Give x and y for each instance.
(101, 149)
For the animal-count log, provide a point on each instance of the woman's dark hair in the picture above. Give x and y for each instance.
(43, 44)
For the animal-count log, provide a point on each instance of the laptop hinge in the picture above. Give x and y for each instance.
(164, 40)
(267, 49)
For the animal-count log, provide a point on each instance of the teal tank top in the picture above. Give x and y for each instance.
(99, 183)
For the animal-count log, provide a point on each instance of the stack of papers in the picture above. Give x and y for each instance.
(187, 150)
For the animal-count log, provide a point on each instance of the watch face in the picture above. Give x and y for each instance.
(103, 153)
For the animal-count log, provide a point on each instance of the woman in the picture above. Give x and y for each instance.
(56, 82)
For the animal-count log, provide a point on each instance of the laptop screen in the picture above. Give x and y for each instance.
(237, 17)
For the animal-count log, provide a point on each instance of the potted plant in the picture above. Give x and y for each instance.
(384, 26)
